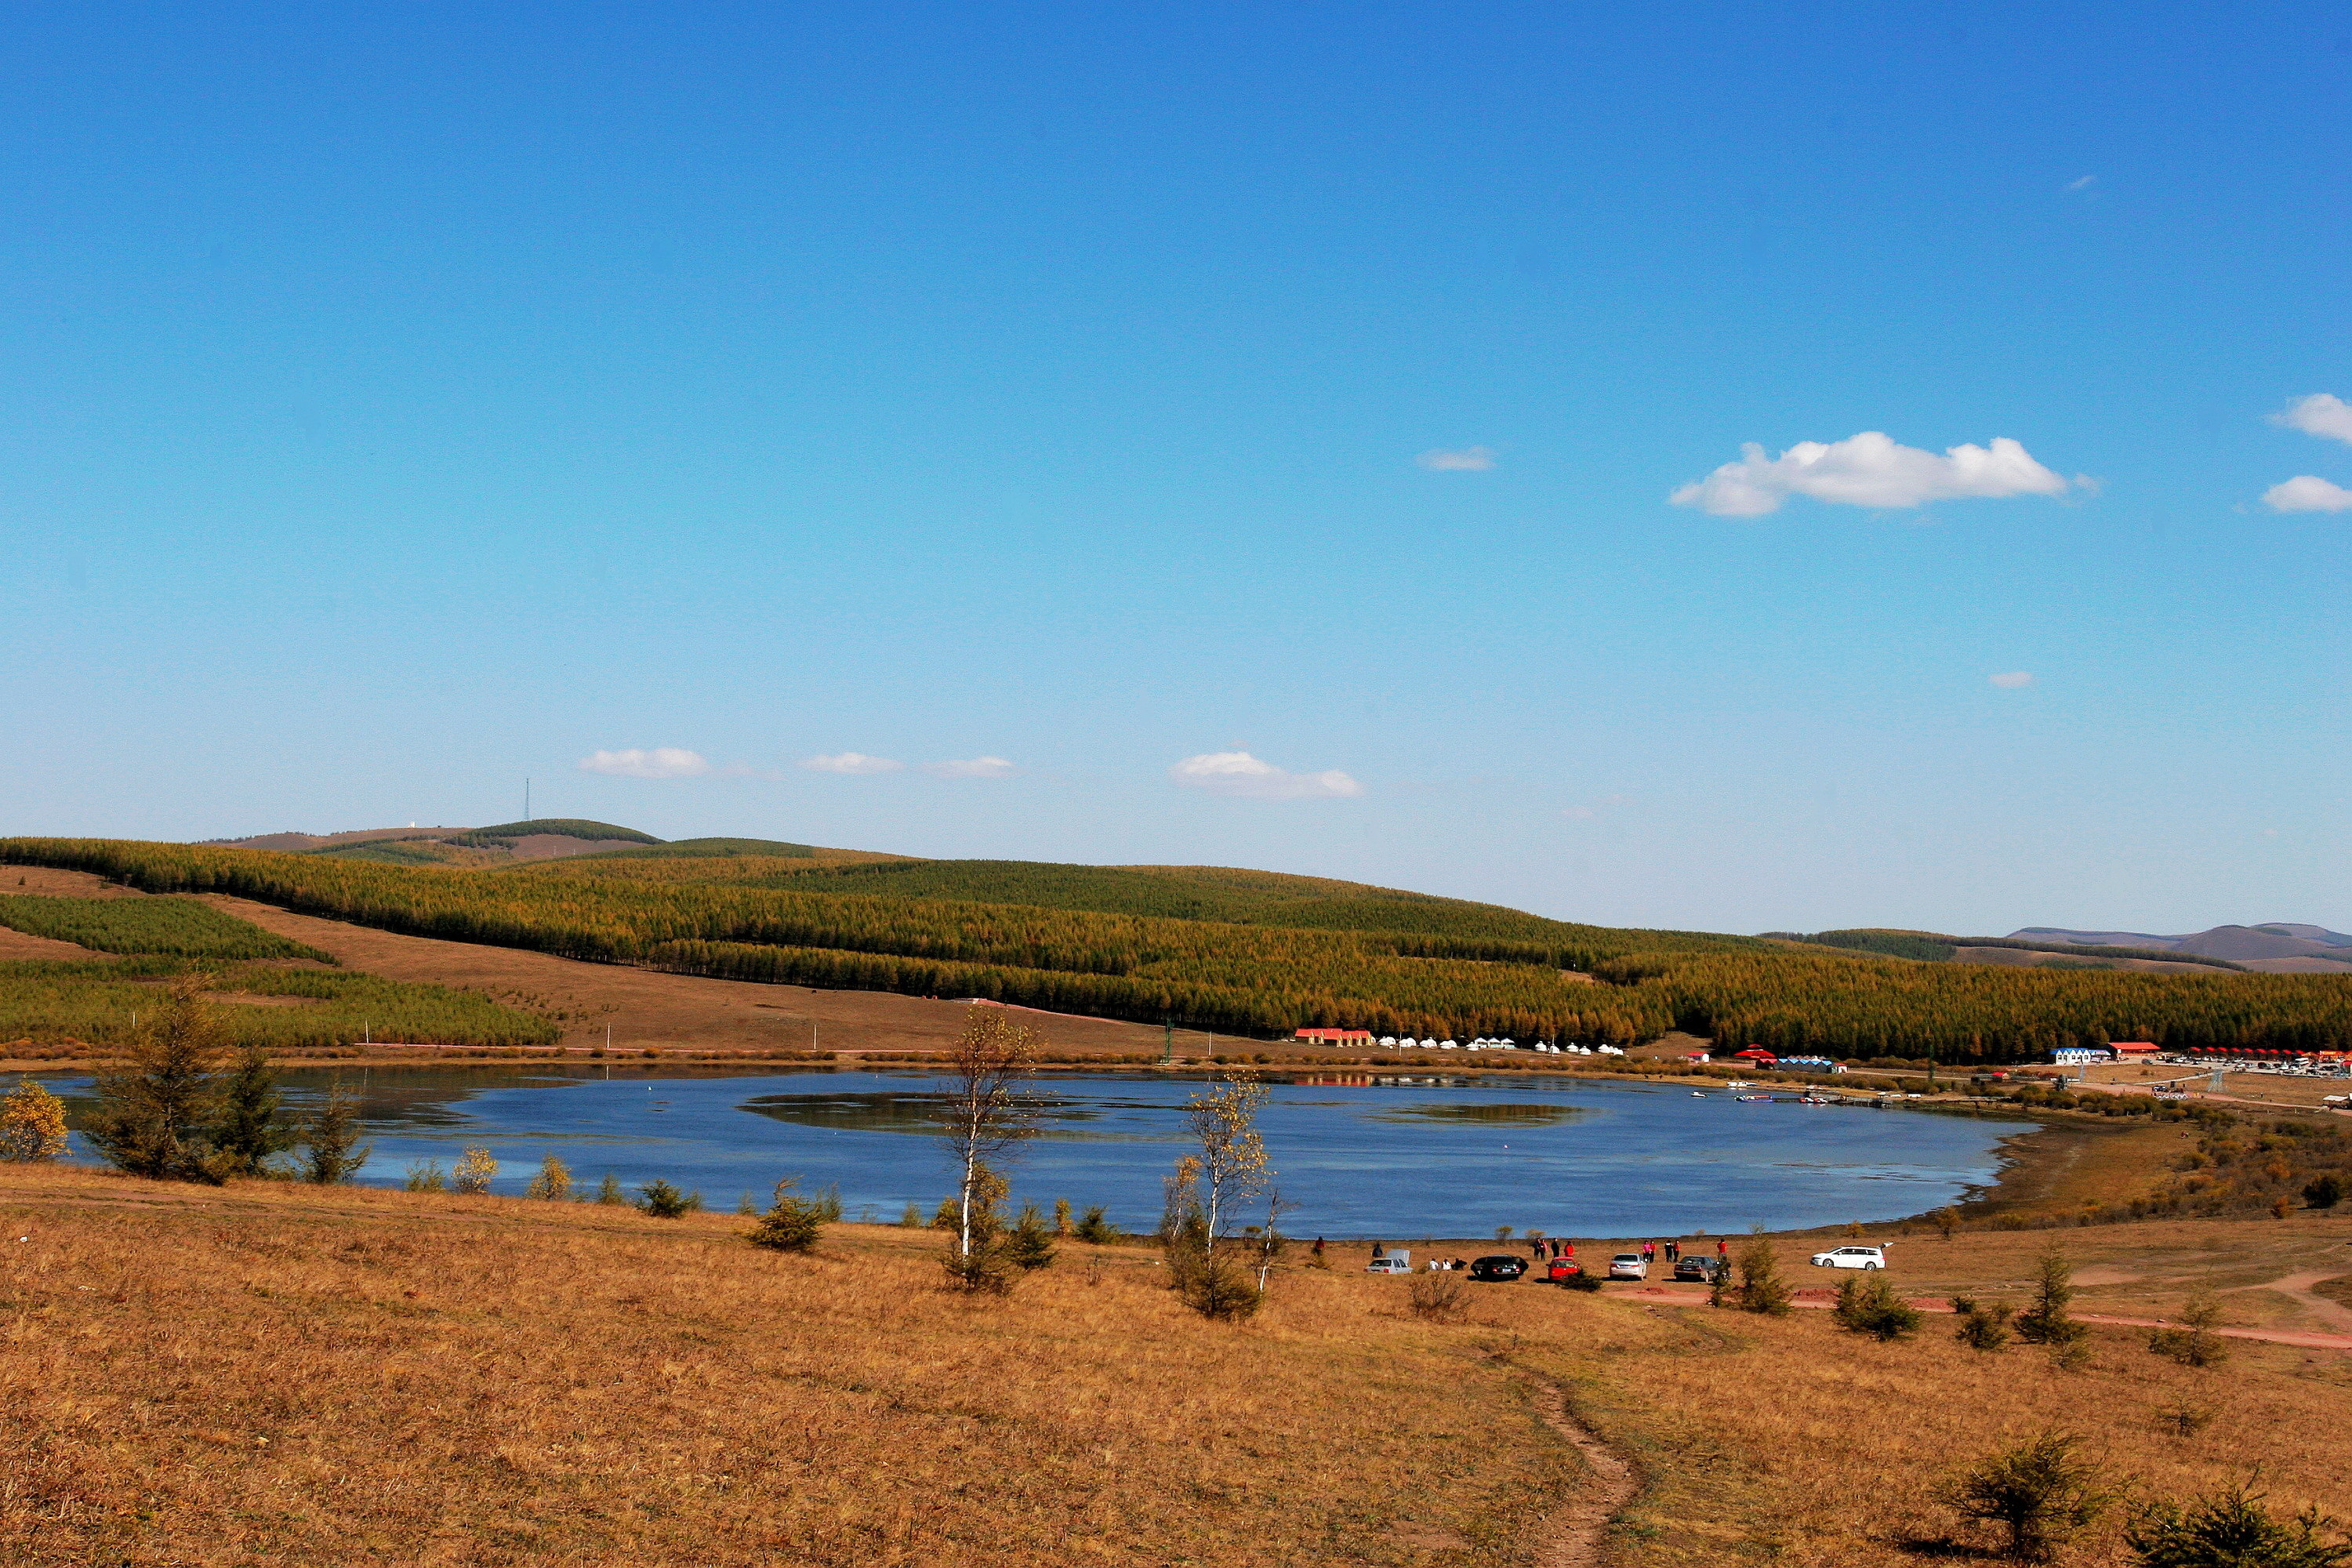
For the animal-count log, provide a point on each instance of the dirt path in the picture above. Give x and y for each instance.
(2297, 1287)
(1813, 1300)
(1575, 1535)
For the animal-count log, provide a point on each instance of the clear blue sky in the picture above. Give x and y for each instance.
(397, 402)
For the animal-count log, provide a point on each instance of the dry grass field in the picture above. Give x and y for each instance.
(267, 1375)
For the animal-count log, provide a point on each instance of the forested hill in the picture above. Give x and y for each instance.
(1220, 893)
(1238, 952)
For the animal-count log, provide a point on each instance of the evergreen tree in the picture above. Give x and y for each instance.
(1031, 1245)
(155, 1115)
(253, 1127)
(330, 1156)
(791, 1224)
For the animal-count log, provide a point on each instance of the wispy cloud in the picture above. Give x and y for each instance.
(1239, 774)
(1467, 460)
(2012, 680)
(2084, 184)
(972, 768)
(1587, 813)
(2307, 492)
(2321, 413)
(852, 763)
(660, 762)
(1869, 469)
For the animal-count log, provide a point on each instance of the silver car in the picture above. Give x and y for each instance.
(1629, 1266)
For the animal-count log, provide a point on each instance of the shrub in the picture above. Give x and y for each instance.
(1062, 1223)
(663, 1201)
(31, 1124)
(1435, 1295)
(911, 1219)
(2231, 1529)
(1094, 1228)
(1983, 1326)
(2324, 1191)
(791, 1224)
(1867, 1304)
(1581, 1280)
(2036, 1494)
(473, 1172)
(426, 1176)
(608, 1192)
(553, 1182)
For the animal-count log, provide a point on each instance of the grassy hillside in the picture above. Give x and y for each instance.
(276, 1373)
(1487, 972)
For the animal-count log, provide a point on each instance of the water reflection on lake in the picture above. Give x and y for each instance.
(1371, 1157)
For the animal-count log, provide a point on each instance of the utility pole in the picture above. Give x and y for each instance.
(1168, 1051)
(526, 800)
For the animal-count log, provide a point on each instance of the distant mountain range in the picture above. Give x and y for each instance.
(2280, 948)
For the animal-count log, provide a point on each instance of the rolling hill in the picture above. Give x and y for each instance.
(2279, 948)
(1237, 952)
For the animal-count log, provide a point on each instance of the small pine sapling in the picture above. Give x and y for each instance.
(2194, 1343)
(2036, 1496)
(426, 1176)
(1867, 1304)
(2046, 1322)
(2233, 1529)
(1031, 1245)
(791, 1224)
(331, 1153)
(664, 1201)
(1761, 1287)
(608, 1192)
(1982, 1325)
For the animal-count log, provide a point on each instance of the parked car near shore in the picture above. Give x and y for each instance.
(1629, 1266)
(1500, 1267)
(1852, 1258)
(1705, 1270)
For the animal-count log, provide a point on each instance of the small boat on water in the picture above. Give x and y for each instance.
(1753, 1098)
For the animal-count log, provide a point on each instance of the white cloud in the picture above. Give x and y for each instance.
(2084, 184)
(1239, 774)
(661, 762)
(2305, 492)
(1869, 469)
(852, 763)
(2011, 680)
(972, 768)
(1469, 460)
(2321, 413)
(1587, 813)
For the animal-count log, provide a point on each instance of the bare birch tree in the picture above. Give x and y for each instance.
(987, 1117)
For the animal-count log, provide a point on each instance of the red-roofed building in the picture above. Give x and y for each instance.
(2127, 1049)
(1335, 1036)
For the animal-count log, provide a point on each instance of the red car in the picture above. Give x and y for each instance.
(1562, 1269)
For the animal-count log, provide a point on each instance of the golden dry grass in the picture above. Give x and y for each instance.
(268, 1375)
(271, 1374)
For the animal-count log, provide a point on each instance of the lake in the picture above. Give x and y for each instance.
(1355, 1155)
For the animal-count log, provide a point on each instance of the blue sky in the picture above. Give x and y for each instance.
(1254, 427)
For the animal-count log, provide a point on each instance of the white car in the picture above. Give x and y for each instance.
(1628, 1266)
(1391, 1263)
(1852, 1258)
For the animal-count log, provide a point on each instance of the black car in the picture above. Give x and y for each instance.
(1705, 1270)
(1500, 1266)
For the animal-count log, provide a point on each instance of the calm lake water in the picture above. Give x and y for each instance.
(1383, 1158)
